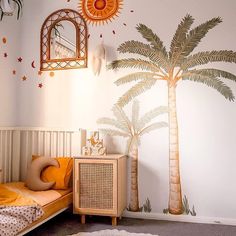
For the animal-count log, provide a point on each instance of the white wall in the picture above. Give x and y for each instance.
(9, 29)
(76, 98)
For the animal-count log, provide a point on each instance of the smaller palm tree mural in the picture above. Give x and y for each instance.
(132, 129)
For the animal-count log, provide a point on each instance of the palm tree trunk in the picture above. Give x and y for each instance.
(175, 195)
(134, 198)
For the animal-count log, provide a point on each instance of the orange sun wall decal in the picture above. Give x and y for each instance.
(99, 11)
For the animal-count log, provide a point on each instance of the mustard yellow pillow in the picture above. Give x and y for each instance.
(60, 175)
(35, 157)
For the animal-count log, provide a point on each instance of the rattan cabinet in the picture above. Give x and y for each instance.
(99, 186)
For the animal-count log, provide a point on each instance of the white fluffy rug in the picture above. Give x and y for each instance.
(113, 232)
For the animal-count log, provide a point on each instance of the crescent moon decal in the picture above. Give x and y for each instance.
(32, 64)
(33, 180)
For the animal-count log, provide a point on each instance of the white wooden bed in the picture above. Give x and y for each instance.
(17, 145)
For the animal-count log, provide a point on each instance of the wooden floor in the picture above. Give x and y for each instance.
(67, 223)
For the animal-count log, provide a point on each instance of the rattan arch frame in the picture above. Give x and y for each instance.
(80, 61)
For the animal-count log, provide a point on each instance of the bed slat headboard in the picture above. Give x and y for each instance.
(17, 145)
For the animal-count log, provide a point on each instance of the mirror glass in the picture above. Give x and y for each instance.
(63, 40)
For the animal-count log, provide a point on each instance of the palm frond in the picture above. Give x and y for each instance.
(135, 114)
(19, 8)
(1, 14)
(216, 73)
(121, 117)
(136, 90)
(145, 50)
(133, 63)
(210, 81)
(198, 33)
(154, 126)
(180, 35)
(202, 58)
(136, 47)
(152, 38)
(195, 35)
(149, 116)
(113, 132)
(20, 2)
(112, 122)
(134, 77)
(129, 129)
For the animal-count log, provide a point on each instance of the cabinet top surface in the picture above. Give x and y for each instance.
(108, 156)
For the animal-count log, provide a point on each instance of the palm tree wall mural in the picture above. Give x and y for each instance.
(133, 129)
(173, 66)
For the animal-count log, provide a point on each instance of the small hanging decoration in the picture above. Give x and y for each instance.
(99, 11)
(98, 57)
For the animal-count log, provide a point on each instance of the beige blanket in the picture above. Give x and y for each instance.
(16, 212)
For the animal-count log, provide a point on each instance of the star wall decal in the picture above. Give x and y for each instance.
(3, 40)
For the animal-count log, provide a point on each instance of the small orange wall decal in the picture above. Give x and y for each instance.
(4, 45)
(51, 74)
(4, 40)
(99, 11)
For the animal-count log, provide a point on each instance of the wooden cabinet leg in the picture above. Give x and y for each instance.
(83, 219)
(114, 221)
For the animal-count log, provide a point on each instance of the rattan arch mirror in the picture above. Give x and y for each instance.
(63, 41)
